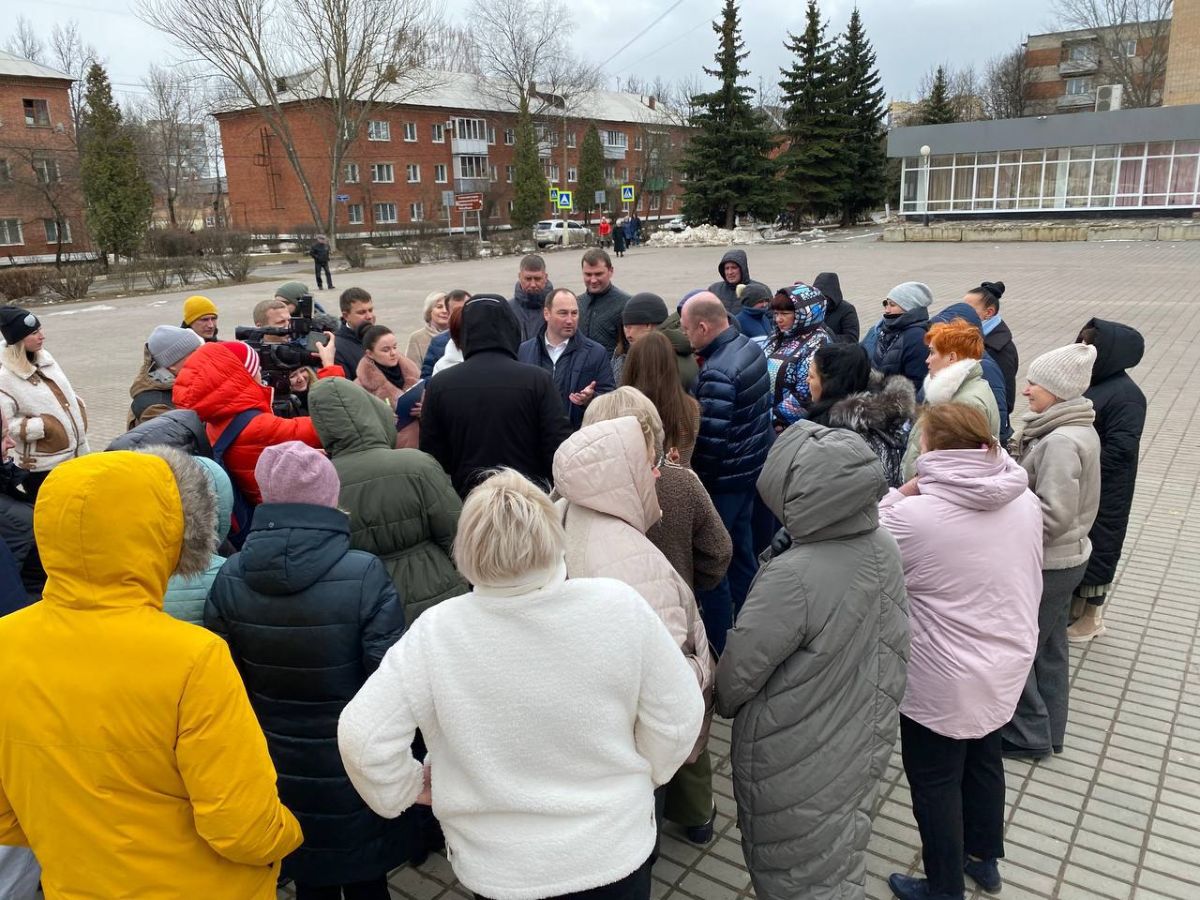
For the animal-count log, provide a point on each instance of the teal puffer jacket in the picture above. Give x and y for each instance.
(402, 505)
(185, 597)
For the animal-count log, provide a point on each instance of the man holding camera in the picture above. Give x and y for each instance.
(220, 382)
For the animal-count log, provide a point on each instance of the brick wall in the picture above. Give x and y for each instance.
(265, 196)
(21, 197)
(1183, 63)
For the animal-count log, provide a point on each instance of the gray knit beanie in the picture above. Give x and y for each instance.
(1065, 372)
(169, 345)
(644, 309)
(910, 295)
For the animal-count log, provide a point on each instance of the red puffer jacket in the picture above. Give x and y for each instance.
(217, 387)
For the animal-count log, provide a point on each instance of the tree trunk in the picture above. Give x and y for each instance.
(730, 215)
(171, 209)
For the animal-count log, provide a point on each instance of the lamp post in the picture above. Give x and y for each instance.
(925, 151)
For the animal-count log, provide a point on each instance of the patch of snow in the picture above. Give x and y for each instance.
(82, 309)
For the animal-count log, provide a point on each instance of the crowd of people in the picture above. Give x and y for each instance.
(485, 585)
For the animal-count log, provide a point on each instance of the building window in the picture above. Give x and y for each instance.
(10, 231)
(637, 142)
(572, 174)
(1077, 87)
(385, 213)
(1128, 48)
(352, 175)
(511, 204)
(492, 175)
(379, 131)
(610, 172)
(439, 133)
(416, 212)
(472, 166)
(410, 131)
(637, 174)
(382, 173)
(510, 136)
(46, 170)
(624, 173)
(37, 113)
(414, 173)
(1081, 53)
(670, 201)
(491, 135)
(439, 174)
(654, 201)
(551, 171)
(354, 213)
(470, 129)
(571, 140)
(508, 173)
(52, 231)
(615, 139)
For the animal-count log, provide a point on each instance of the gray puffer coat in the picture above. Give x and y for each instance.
(814, 670)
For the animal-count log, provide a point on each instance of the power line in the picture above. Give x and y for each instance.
(631, 41)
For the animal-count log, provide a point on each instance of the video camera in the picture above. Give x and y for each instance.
(278, 359)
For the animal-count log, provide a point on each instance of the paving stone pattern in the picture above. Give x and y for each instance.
(1116, 815)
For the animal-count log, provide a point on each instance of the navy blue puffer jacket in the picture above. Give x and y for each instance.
(900, 348)
(734, 391)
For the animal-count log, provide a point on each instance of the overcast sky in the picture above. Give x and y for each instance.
(909, 37)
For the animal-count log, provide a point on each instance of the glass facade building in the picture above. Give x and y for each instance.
(1109, 161)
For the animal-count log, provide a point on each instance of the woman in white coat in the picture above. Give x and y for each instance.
(44, 416)
(551, 709)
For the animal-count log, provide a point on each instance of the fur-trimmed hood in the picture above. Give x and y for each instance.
(887, 407)
(942, 387)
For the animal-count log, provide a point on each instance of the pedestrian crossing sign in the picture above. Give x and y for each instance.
(564, 199)
(553, 195)
(627, 193)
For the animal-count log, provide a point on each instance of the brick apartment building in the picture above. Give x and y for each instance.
(450, 137)
(41, 203)
(1078, 71)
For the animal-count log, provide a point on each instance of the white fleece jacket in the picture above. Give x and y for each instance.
(550, 716)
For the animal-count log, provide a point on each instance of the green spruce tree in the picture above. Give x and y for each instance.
(812, 166)
(727, 165)
(591, 170)
(936, 109)
(116, 195)
(530, 189)
(864, 151)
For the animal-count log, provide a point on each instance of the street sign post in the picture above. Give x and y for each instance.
(564, 200)
(554, 195)
(601, 198)
(627, 193)
(468, 202)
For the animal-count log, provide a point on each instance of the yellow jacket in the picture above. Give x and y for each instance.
(130, 759)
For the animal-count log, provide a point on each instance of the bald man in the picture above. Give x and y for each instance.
(735, 433)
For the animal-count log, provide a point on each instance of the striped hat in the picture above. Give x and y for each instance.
(246, 355)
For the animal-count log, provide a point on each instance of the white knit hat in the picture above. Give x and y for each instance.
(1065, 372)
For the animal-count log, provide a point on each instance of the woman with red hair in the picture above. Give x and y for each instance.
(955, 376)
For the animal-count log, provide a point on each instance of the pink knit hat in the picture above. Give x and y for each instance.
(293, 472)
(246, 355)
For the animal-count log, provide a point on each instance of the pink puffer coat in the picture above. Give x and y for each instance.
(608, 503)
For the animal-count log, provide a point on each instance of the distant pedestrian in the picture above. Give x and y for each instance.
(618, 239)
(319, 252)
(841, 318)
(604, 232)
(1120, 417)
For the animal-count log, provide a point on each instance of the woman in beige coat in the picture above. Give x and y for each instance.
(605, 475)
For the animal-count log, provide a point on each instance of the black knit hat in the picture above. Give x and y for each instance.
(16, 324)
(753, 293)
(644, 309)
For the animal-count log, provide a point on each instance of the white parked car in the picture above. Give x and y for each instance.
(551, 231)
(675, 223)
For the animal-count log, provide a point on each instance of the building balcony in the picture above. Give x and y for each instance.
(545, 149)
(468, 147)
(471, 185)
(1070, 68)
(1077, 101)
(614, 151)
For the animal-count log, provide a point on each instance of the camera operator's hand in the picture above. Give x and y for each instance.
(326, 351)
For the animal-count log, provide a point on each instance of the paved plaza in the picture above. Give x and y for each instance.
(1115, 816)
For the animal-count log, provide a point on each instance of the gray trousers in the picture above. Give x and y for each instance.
(1040, 722)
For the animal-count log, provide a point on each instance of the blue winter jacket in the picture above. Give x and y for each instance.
(756, 324)
(185, 597)
(581, 363)
(900, 347)
(734, 391)
(437, 349)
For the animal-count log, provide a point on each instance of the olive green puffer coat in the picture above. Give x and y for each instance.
(402, 506)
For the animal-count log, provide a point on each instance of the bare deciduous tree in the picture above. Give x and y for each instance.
(172, 139)
(450, 48)
(1003, 85)
(963, 88)
(25, 42)
(69, 54)
(336, 60)
(1117, 23)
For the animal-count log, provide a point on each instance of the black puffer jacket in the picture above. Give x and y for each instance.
(308, 620)
(841, 318)
(734, 391)
(900, 348)
(1120, 416)
(491, 410)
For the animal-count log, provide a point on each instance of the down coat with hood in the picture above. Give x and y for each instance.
(217, 387)
(841, 318)
(608, 504)
(308, 620)
(41, 410)
(130, 759)
(900, 346)
(974, 627)
(402, 506)
(728, 292)
(178, 428)
(187, 594)
(814, 670)
(882, 416)
(1120, 409)
(492, 410)
(734, 392)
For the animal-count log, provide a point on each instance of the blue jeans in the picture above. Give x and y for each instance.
(720, 606)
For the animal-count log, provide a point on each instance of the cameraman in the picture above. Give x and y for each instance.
(220, 381)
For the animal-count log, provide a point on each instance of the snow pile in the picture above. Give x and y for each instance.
(697, 236)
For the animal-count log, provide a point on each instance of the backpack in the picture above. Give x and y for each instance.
(243, 509)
